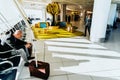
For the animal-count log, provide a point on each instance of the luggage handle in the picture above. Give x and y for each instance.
(36, 65)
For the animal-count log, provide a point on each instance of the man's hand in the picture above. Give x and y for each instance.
(28, 45)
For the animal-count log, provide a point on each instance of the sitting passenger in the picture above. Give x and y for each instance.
(23, 47)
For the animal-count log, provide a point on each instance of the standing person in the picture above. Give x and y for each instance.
(87, 24)
(69, 19)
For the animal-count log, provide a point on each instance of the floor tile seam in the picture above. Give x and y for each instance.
(91, 77)
(72, 42)
(78, 74)
(100, 71)
(58, 75)
(78, 47)
(87, 55)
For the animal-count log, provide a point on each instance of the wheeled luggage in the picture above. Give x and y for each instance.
(41, 71)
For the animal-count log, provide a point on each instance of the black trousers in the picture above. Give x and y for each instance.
(87, 28)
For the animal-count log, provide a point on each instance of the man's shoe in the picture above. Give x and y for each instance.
(26, 64)
(29, 58)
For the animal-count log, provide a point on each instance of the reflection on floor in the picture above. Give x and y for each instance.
(114, 41)
(76, 59)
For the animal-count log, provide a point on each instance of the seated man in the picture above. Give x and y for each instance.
(15, 42)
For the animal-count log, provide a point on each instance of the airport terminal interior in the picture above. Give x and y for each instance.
(78, 39)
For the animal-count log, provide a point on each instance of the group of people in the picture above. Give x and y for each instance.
(21, 47)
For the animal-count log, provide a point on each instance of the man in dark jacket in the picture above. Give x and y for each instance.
(15, 41)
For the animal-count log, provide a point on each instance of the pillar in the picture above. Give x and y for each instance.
(99, 20)
(63, 12)
(112, 14)
(43, 15)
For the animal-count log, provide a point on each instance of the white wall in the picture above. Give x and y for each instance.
(42, 14)
(34, 13)
(112, 14)
(100, 19)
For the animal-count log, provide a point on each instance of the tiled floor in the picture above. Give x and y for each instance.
(78, 59)
(114, 40)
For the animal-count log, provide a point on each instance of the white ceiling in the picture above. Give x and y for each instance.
(116, 1)
(71, 4)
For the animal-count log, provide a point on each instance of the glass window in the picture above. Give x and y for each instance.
(9, 15)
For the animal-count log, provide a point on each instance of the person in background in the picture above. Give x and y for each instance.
(87, 24)
(69, 19)
(29, 20)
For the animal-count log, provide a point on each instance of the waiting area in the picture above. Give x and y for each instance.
(59, 40)
(76, 58)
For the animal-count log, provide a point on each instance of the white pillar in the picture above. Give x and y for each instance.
(43, 15)
(99, 20)
(112, 14)
(63, 12)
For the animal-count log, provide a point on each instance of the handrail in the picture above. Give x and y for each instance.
(6, 51)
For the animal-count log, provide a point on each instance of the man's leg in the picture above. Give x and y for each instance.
(23, 54)
(89, 30)
(85, 30)
(30, 51)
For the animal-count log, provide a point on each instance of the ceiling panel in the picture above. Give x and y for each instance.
(71, 4)
(116, 1)
(84, 3)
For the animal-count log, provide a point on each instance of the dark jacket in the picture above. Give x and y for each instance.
(10, 43)
(4, 48)
(16, 43)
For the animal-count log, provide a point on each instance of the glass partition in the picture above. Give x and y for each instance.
(9, 15)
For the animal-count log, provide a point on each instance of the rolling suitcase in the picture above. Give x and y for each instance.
(42, 69)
